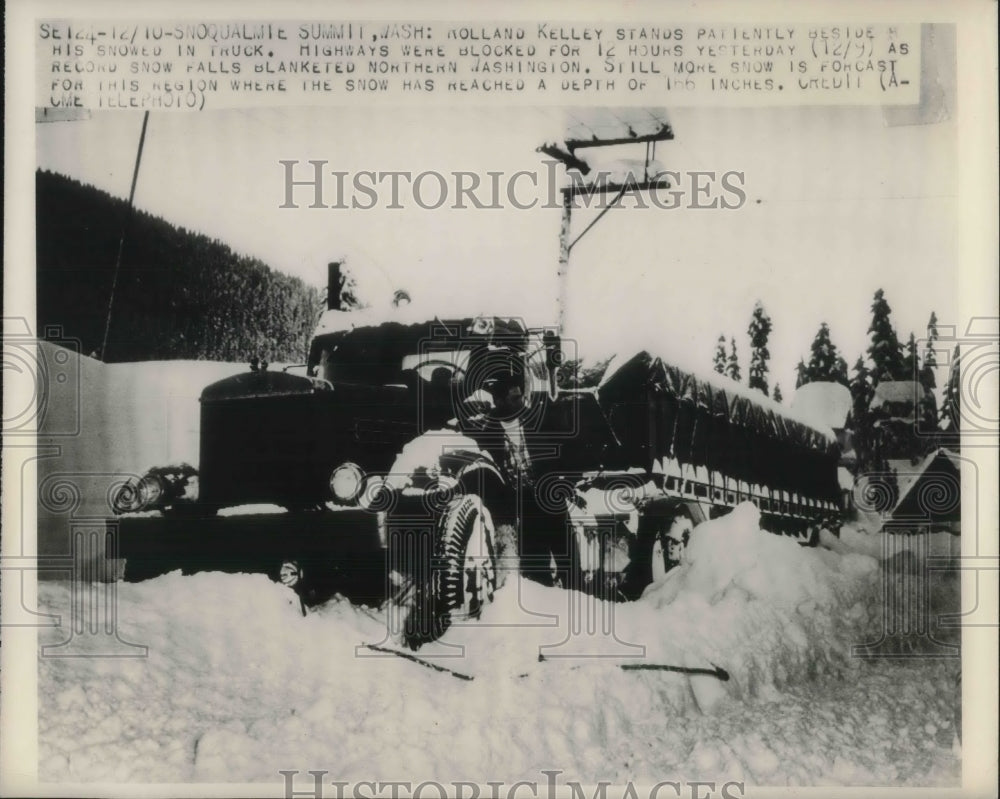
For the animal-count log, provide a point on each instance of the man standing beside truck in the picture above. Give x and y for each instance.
(542, 535)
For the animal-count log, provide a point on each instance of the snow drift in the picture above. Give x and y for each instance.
(238, 684)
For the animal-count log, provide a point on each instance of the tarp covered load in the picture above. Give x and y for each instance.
(659, 411)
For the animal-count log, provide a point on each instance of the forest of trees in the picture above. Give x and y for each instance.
(179, 294)
(877, 435)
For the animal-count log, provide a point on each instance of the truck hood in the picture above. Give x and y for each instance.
(263, 384)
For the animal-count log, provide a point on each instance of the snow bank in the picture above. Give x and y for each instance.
(126, 417)
(238, 684)
(765, 608)
(152, 409)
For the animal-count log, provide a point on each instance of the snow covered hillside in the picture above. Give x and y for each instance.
(238, 684)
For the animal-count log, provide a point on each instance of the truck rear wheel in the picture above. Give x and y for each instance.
(652, 558)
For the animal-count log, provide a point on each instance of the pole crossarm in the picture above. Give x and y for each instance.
(569, 160)
(665, 133)
(620, 188)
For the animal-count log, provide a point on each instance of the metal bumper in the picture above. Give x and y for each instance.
(341, 550)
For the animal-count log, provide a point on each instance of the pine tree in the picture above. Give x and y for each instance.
(928, 378)
(861, 395)
(951, 405)
(928, 420)
(733, 364)
(719, 360)
(759, 330)
(840, 372)
(825, 362)
(801, 374)
(777, 392)
(885, 351)
(911, 359)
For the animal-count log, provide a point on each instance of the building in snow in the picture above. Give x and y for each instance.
(929, 493)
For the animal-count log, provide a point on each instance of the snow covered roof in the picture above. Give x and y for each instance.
(942, 499)
(904, 471)
(897, 393)
(825, 404)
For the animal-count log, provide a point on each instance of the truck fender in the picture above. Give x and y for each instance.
(480, 472)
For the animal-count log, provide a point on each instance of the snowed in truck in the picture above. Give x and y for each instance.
(385, 470)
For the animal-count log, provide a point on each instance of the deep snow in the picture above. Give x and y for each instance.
(238, 684)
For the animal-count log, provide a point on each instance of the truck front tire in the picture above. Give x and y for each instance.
(462, 578)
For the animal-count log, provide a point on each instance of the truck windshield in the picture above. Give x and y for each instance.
(407, 354)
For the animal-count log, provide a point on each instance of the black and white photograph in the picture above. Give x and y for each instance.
(421, 400)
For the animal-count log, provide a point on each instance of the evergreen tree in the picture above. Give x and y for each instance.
(840, 372)
(733, 364)
(911, 359)
(777, 392)
(928, 378)
(179, 294)
(825, 362)
(885, 351)
(719, 360)
(759, 330)
(951, 403)
(801, 377)
(928, 419)
(862, 389)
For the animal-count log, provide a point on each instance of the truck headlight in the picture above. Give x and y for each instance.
(150, 491)
(290, 573)
(139, 495)
(346, 481)
(127, 499)
(483, 325)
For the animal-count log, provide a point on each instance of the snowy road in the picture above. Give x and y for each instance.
(237, 684)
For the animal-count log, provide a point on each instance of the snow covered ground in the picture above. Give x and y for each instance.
(238, 684)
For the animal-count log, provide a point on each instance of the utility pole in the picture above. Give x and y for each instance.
(568, 157)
